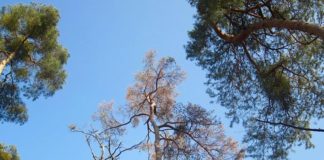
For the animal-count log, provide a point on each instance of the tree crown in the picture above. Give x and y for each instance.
(265, 63)
(31, 57)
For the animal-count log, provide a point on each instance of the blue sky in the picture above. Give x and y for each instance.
(107, 40)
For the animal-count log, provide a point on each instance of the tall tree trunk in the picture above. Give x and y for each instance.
(157, 146)
(156, 129)
(5, 61)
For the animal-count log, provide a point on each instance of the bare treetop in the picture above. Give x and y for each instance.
(155, 84)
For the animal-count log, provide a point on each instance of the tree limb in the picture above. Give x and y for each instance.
(291, 126)
(194, 139)
(89, 145)
(126, 123)
(269, 23)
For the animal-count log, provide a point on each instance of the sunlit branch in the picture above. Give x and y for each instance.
(269, 23)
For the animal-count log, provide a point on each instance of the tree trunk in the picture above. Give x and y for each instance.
(156, 129)
(5, 61)
(157, 146)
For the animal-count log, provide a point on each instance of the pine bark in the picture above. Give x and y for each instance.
(5, 61)
(313, 29)
(156, 129)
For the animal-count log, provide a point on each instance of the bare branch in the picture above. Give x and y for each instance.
(126, 123)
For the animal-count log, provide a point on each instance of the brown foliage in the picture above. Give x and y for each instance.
(173, 131)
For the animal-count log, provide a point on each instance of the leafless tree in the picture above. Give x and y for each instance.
(173, 130)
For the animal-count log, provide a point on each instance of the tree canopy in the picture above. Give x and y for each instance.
(265, 65)
(8, 153)
(173, 130)
(31, 58)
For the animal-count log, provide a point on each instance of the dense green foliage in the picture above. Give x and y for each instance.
(31, 59)
(262, 70)
(8, 153)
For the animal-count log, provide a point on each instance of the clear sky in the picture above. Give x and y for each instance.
(107, 40)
